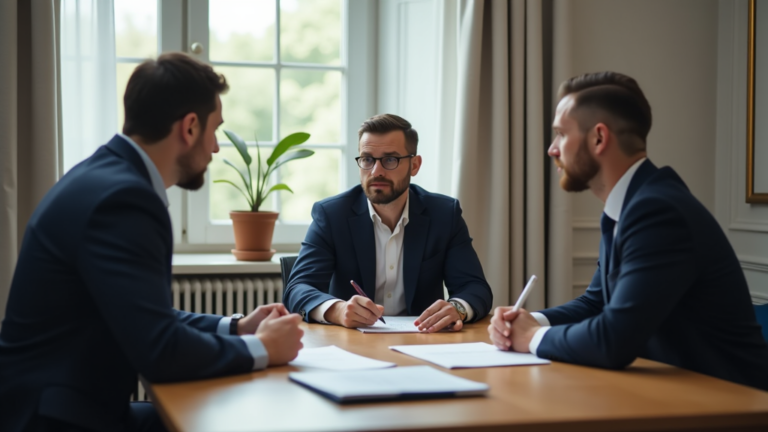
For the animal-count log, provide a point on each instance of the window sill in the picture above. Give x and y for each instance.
(223, 263)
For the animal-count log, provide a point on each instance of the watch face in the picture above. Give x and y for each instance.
(238, 316)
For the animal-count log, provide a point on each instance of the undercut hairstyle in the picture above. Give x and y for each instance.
(163, 91)
(384, 123)
(614, 99)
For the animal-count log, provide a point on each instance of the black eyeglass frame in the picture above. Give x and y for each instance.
(379, 159)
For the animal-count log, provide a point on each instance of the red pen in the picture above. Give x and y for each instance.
(362, 293)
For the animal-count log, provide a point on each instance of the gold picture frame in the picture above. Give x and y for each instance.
(753, 197)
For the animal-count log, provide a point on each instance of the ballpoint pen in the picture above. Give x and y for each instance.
(362, 293)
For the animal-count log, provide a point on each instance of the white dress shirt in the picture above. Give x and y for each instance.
(255, 347)
(612, 209)
(390, 290)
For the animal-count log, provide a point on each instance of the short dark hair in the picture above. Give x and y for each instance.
(383, 123)
(617, 95)
(163, 91)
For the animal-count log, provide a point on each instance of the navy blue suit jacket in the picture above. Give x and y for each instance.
(340, 247)
(90, 303)
(673, 292)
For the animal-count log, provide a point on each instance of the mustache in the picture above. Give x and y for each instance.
(379, 180)
(558, 162)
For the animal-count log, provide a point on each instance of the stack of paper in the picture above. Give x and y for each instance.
(468, 355)
(395, 324)
(333, 357)
(413, 382)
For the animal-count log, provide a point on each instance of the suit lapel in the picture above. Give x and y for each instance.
(361, 229)
(644, 171)
(415, 240)
(603, 271)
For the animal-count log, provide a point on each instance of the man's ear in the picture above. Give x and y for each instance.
(190, 129)
(415, 165)
(600, 138)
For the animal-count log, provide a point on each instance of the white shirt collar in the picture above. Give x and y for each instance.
(403, 218)
(154, 174)
(615, 200)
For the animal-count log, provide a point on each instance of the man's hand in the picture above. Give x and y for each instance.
(359, 311)
(438, 316)
(281, 337)
(249, 324)
(512, 330)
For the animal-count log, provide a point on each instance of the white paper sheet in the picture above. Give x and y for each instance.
(395, 324)
(333, 357)
(468, 355)
(398, 383)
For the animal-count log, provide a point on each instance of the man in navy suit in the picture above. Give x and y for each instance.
(90, 303)
(668, 286)
(396, 240)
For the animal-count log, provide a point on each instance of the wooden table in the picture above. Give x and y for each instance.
(648, 396)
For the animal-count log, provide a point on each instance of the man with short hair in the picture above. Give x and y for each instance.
(90, 302)
(668, 286)
(399, 242)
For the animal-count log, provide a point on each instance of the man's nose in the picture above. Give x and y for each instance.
(553, 151)
(378, 169)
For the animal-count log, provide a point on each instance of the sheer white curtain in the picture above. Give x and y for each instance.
(493, 117)
(88, 88)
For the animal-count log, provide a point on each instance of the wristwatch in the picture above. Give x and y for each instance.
(233, 323)
(459, 308)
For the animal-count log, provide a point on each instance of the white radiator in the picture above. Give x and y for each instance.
(221, 295)
(225, 295)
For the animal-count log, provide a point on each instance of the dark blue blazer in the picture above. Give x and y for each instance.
(340, 247)
(673, 292)
(90, 303)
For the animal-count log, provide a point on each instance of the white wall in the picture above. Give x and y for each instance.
(745, 224)
(670, 48)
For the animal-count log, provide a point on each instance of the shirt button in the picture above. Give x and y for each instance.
(389, 295)
(391, 267)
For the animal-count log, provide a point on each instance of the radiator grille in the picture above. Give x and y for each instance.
(221, 295)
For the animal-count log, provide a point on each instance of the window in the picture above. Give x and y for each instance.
(292, 65)
(283, 61)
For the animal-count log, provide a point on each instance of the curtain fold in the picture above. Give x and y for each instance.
(497, 132)
(29, 123)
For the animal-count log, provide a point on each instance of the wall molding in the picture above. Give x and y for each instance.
(754, 225)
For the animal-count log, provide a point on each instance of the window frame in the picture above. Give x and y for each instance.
(193, 229)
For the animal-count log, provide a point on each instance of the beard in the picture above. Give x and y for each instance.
(379, 196)
(577, 175)
(191, 178)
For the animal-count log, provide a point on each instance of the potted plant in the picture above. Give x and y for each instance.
(253, 228)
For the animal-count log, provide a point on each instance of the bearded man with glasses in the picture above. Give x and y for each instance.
(399, 242)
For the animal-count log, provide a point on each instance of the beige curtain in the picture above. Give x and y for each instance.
(498, 128)
(29, 126)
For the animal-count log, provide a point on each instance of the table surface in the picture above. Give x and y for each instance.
(557, 397)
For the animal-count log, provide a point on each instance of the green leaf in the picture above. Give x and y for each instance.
(279, 186)
(250, 203)
(286, 143)
(298, 154)
(242, 176)
(240, 145)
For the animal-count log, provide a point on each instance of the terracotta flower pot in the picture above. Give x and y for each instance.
(253, 234)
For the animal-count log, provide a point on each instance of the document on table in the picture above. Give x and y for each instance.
(410, 382)
(468, 355)
(333, 357)
(395, 324)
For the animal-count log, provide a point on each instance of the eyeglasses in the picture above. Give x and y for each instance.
(387, 162)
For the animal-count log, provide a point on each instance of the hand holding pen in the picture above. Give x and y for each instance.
(362, 293)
